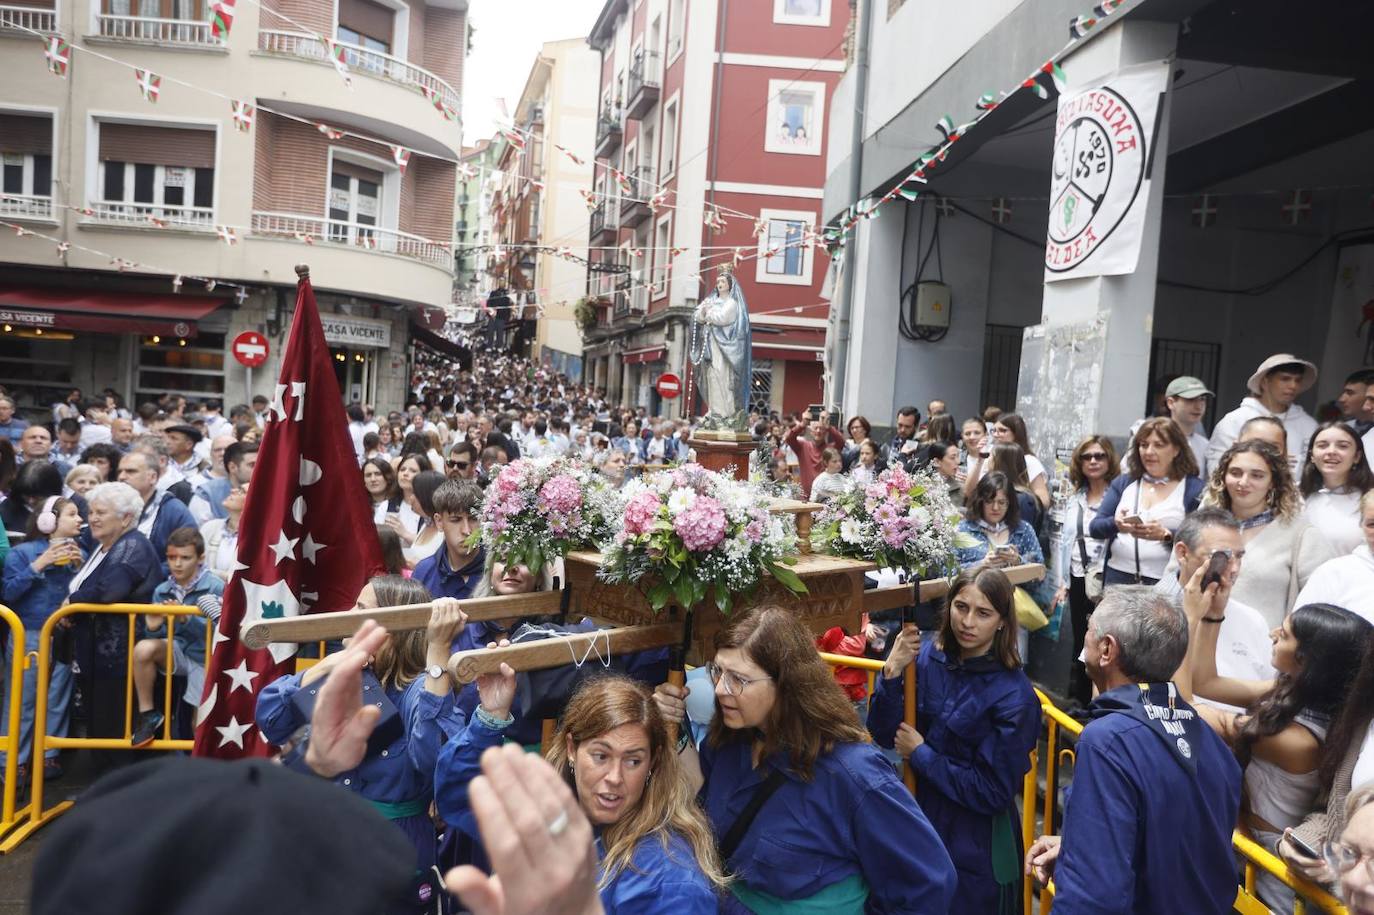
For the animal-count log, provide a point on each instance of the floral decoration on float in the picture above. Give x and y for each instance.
(901, 520)
(536, 510)
(688, 531)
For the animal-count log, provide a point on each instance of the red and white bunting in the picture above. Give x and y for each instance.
(222, 20)
(336, 57)
(330, 132)
(243, 114)
(227, 235)
(589, 199)
(514, 139)
(401, 156)
(305, 237)
(149, 84)
(1298, 207)
(63, 247)
(467, 172)
(58, 54)
(658, 201)
(157, 223)
(760, 227)
(576, 159)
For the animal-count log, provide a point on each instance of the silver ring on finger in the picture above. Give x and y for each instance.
(558, 824)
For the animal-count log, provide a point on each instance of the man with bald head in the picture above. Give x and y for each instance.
(122, 433)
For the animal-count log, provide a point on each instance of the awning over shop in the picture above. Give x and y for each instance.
(640, 356)
(103, 312)
(442, 345)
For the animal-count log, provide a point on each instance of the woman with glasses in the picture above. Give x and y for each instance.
(1092, 467)
(809, 815)
(977, 721)
(1352, 858)
(1142, 508)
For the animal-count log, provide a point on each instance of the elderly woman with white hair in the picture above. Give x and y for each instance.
(124, 568)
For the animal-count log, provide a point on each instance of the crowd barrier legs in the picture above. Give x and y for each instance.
(37, 816)
(11, 815)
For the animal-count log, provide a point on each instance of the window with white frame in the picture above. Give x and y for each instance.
(662, 259)
(670, 138)
(355, 201)
(26, 174)
(801, 12)
(676, 8)
(796, 115)
(153, 170)
(784, 257)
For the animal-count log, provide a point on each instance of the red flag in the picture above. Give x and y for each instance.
(306, 538)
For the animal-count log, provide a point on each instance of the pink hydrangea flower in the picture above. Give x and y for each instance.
(640, 512)
(561, 495)
(701, 526)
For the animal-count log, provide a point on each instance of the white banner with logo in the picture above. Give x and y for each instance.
(1100, 178)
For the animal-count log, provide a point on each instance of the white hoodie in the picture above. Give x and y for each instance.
(1346, 581)
(1296, 421)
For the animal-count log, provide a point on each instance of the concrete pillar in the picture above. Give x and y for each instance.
(1127, 301)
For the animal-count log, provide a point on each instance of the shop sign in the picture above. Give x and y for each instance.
(28, 318)
(356, 333)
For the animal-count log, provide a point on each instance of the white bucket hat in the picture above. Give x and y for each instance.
(1309, 371)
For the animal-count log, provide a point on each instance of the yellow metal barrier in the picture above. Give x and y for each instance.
(38, 817)
(10, 815)
(1254, 857)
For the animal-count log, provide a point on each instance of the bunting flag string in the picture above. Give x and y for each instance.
(149, 84)
(222, 20)
(576, 159)
(58, 54)
(336, 57)
(243, 114)
(589, 199)
(401, 156)
(330, 132)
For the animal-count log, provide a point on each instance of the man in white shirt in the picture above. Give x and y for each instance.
(1243, 646)
(1186, 400)
(215, 423)
(1273, 388)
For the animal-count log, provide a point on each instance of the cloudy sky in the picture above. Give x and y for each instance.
(506, 37)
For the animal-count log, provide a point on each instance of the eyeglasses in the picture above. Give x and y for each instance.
(734, 683)
(1343, 858)
(1094, 456)
(459, 465)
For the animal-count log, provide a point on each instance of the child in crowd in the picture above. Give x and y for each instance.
(189, 583)
(37, 575)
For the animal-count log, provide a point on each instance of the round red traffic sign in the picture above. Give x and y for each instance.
(668, 385)
(250, 348)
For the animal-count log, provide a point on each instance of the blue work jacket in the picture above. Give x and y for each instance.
(442, 580)
(853, 818)
(659, 879)
(33, 596)
(1148, 822)
(980, 722)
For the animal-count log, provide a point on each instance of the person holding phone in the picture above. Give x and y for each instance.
(1144, 506)
(992, 518)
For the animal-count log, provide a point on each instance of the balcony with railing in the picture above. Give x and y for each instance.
(624, 283)
(317, 230)
(360, 60)
(25, 20)
(146, 215)
(609, 129)
(26, 206)
(645, 81)
(179, 32)
(604, 222)
(634, 206)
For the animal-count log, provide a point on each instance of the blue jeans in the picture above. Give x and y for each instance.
(59, 699)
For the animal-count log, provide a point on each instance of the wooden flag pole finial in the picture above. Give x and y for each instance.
(303, 271)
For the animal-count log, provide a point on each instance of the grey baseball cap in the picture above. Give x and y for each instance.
(1188, 387)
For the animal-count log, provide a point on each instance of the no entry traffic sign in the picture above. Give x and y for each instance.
(250, 349)
(668, 385)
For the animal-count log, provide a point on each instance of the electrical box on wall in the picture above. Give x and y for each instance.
(932, 305)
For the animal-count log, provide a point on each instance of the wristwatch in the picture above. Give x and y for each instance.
(435, 671)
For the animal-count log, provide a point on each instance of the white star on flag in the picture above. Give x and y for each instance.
(309, 548)
(243, 114)
(149, 83)
(233, 732)
(284, 548)
(242, 677)
(274, 601)
(227, 235)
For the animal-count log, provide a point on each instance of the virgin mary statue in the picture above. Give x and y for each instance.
(720, 349)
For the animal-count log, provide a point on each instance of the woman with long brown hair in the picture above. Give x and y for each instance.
(807, 811)
(1092, 468)
(977, 721)
(656, 849)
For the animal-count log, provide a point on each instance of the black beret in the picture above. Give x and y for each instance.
(181, 835)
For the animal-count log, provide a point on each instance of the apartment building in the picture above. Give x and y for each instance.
(124, 198)
(539, 210)
(478, 179)
(707, 108)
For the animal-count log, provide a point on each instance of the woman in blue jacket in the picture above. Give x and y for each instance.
(977, 720)
(656, 851)
(37, 575)
(412, 669)
(836, 831)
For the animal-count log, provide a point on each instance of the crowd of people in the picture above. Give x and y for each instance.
(1218, 592)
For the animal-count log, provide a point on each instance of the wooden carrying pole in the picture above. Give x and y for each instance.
(319, 627)
(559, 651)
(897, 596)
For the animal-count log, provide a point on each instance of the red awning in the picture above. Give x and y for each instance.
(104, 312)
(639, 356)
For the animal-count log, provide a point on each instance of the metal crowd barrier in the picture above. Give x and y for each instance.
(1253, 857)
(11, 815)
